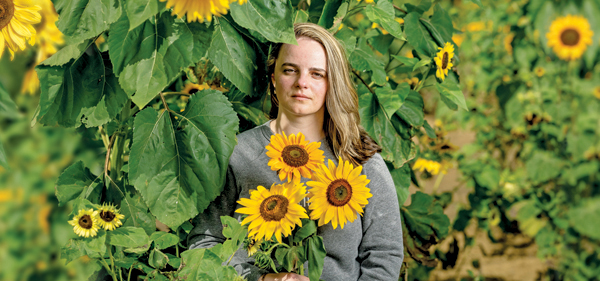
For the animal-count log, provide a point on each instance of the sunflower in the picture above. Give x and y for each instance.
(294, 157)
(109, 217)
(433, 167)
(200, 10)
(252, 246)
(443, 60)
(597, 92)
(273, 212)
(338, 193)
(539, 71)
(86, 223)
(16, 19)
(569, 36)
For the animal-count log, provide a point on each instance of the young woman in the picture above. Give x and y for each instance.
(312, 93)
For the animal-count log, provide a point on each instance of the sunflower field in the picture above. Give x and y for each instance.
(117, 120)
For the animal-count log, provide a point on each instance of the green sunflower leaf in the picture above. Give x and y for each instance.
(425, 218)
(203, 264)
(329, 11)
(452, 95)
(128, 237)
(84, 90)
(373, 118)
(180, 168)
(383, 14)
(412, 109)
(234, 57)
(316, 257)
(300, 16)
(401, 177)
(271, 18)
(138, 11)
(158, 259)
(8, 107)
(77, 181)
(392, 100)
(3, 161)
(417, 35)
(151, 56)
(442, 23)
(581, 216)
(164, 240)
(83, 19)
(363, 59)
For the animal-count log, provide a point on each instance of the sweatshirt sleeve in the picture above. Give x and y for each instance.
(208, 230)
(381, 251)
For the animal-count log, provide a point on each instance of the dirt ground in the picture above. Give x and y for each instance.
(514, 259)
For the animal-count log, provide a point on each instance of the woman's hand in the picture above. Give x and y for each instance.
(284, 276)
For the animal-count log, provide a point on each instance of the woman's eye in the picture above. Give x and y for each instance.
(288, 70)
(318, 75)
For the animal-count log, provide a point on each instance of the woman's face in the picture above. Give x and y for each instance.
(300, 78)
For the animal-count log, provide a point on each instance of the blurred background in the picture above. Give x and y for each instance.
(518, 174)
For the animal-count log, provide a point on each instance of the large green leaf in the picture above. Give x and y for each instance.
(234, 57)
(392, 100)
(316, 257)
(452, 95)
(363, 58)
(128, 237)
(84, 19)
(543, 166)
(329, 11)
(401, 177)
(138, 11)
(180, 168)
(164, 240)
(93, 247)
(417, 35)
(383, 14)
(442, 23)
(136, 212)
(77, 181)
(158, 259)
(273, 19)
(84, 90)
(425, 219)
(203, 264)
(582, 218)
(373, 118)
(412, 109)
(151, 56)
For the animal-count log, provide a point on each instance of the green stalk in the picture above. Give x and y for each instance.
(112, 273)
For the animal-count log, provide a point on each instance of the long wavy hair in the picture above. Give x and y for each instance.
(341, 124)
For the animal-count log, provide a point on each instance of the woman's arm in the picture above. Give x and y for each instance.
(381, 251)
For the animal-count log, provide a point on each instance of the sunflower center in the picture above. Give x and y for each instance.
(294, 155)
(570, 37)
(107, 216)
(7, 11)
(339, 192)
(445, 60)
(86, 222)
(274, 208)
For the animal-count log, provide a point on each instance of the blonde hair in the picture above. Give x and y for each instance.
(341, 123)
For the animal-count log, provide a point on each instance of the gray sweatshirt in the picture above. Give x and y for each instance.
(370, 248)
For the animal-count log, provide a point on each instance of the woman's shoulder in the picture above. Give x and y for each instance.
(251, 143)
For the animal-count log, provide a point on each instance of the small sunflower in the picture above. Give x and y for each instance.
(539, 71)
(337, 194)
(86, 223)
(16, 20)
(458, 39)
(109, 217)
(597, 92)
(569, 36)
(192, 88)
(294, 157)
(253, 246)
(433, 167)
(273, 212)
(443, 60)
(200, 10)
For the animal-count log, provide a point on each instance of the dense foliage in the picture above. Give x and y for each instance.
(159, 100)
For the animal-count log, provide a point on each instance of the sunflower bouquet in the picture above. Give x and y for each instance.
(336, 195)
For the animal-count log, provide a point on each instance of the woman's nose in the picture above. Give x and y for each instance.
(302, 80)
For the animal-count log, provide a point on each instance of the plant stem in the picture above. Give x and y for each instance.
(162, 97)
(130, 270)
(106, 161)
(363, 81)
(177, 245)
(112, 273)
(438, 181)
